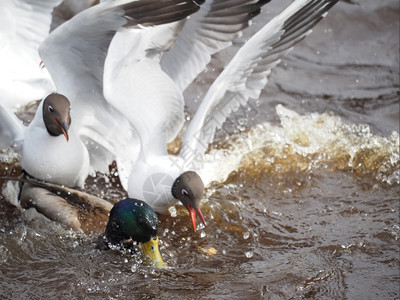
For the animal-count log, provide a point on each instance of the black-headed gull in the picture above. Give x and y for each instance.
(154, 104)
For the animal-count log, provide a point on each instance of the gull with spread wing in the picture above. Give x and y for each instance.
(152, 101)
(190, 45)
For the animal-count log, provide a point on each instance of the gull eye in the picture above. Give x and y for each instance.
(184, 192)
(51, 109)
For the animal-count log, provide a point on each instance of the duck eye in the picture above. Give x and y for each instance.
(51, 109)
(184, 192)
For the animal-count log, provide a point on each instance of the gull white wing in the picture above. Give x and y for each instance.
(24, 24)
(28, 20)
(11, 128)
(246, 75)
(74, 54)
(131, 70)
(140, 90)
(206, 32)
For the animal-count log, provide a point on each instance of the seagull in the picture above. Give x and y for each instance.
(23, 27)
(151, 99)
(75, 130)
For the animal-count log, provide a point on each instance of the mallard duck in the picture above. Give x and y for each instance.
(124, 224)
(132, 220)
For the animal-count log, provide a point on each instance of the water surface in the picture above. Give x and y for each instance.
(311, 210)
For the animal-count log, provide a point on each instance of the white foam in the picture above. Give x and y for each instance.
(320, 137)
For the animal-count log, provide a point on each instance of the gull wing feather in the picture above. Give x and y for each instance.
(205, 33)
(24, 24)
(140, 90)
(11, 128)
(27, 21)
(246, 75)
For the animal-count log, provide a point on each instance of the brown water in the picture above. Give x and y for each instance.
(311, 212)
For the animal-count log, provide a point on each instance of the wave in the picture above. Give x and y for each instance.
(304, 142)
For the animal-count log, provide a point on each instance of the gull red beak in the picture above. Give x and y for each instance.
(192, 213)
(63, 127)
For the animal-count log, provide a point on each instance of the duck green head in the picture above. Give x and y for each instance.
(136, 220)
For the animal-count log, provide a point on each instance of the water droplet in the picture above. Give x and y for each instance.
(172, 211)
(249, 254)
(133, 268)
(166, 230)
(246, 235)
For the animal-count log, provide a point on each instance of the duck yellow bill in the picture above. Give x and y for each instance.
(150, 250)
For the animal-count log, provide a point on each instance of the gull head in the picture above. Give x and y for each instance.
(56, 115)
(188, 188)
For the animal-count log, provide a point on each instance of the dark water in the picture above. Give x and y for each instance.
(312, 210)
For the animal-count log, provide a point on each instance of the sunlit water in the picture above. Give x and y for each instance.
(311, 209)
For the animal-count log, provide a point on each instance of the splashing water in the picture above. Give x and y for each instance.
(306, 142)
